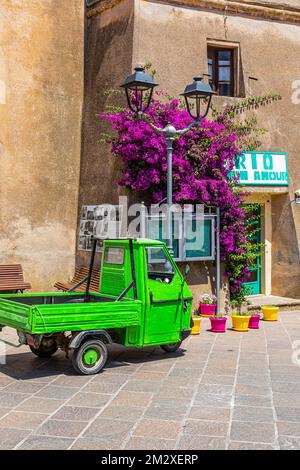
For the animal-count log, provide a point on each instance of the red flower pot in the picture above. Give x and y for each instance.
(218, 325)
(207, 309)
(254, 322)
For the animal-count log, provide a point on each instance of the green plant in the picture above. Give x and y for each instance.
(196, 312)
(208, 299)
(219, 315)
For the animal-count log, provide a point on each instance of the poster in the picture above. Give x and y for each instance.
(102, 221)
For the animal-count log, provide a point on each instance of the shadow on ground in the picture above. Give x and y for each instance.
(26, 366)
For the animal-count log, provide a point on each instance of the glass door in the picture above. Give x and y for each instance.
(253, 285)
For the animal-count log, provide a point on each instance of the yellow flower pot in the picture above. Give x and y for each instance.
(196, 326)
(240, 322)
(270, 313)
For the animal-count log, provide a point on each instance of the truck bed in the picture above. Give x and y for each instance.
(54, 312)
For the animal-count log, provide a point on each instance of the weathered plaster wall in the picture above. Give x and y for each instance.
(174, 39)
(109, 46)
(41, 90)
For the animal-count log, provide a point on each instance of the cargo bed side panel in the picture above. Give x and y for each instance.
(80, 317)
(15, 315)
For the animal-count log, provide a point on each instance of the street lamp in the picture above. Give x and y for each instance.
(139, 90)
(197, 95)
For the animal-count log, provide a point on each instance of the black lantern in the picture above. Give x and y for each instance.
(198, 95)
(139, 90)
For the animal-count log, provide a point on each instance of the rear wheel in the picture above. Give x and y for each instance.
(47, 348)
(90, 357)
(171, 347)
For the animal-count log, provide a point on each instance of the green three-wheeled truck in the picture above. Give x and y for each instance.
(143, 300)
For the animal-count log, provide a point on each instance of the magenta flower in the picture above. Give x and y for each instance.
(202, 161)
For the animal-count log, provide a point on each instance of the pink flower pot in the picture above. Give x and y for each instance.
(218, 325)
(254, 322)
(207, 309)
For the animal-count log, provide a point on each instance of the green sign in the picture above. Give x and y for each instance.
(261, 168)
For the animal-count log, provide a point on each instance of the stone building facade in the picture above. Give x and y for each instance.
(41, 94)
(175, 36)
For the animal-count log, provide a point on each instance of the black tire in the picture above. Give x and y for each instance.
(169, 348)
(46, 349)
(89, 349)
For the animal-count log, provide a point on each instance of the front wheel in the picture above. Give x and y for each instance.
(47, 348)
(90, 357)
(169, 348)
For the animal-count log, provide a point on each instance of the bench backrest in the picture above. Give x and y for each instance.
(12, 279)
(11, 272)
(81, 272)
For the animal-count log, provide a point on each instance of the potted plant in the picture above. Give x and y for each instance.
(254, 321)
(240, 319)
(270, 313)
(218, 323)
(207, 305)
(196, 320)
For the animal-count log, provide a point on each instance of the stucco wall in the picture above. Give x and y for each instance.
(109, 48)
(41, 90)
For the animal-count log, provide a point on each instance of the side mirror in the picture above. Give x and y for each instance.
(187, 270)
(297, 196)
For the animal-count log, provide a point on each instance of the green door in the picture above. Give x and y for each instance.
(163, 318)
(253, 284)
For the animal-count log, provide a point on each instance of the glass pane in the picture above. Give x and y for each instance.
(253, 276)
(224, 89)
(224, 56)
(224, 74)
(158, 261)
(198, 238)
(157, 230)
(114, 255)
(210, 72)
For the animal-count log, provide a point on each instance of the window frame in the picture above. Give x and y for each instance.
(182, 241)
(114, 248)
(212, 238)
(170, 276)
(215, 80)
(238, 86)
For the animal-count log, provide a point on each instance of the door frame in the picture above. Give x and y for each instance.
(255, 287)
(265, 199)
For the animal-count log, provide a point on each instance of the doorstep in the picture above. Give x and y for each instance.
(285, 303)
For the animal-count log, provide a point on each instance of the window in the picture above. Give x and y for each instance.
(114, 255)
(221, 70)
(159, 265)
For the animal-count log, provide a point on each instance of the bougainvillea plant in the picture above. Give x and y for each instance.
(202, 161)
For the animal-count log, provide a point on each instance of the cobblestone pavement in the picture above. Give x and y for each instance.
(221, 391)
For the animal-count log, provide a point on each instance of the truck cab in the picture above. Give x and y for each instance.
(159, 286)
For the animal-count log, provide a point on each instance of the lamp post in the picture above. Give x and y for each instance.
(139, 91)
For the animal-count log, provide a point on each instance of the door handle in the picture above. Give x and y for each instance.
(164, 301)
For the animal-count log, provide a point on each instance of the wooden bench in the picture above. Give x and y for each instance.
(81, 273)
(12, 279)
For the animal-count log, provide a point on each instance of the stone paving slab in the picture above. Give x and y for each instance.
(230, 391)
